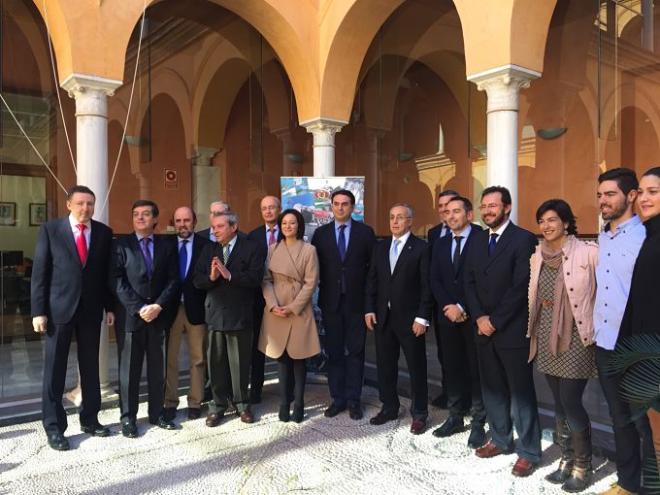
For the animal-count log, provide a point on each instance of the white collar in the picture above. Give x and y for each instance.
(463, 233)
(74, 223)
(403, 238)
(500, 229)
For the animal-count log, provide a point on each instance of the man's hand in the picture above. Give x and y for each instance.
(484, 326)
(454, 313)
(224, 272)
(39, 324)
(110, 318)
(215, 269)
(150, 312)
(370, 320)
(418, 329)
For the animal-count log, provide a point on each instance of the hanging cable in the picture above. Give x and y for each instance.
(128, 110)
(57, 90)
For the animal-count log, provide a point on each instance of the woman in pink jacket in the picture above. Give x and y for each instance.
(562, 291)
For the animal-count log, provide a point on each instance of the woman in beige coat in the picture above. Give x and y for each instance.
(288, 331)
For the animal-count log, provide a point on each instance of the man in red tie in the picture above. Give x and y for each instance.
(69, 294)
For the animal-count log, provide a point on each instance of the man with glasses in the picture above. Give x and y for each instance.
(216, 208)
(496, 285)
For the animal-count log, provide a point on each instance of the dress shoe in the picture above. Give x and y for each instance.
(453, 424)
(169, 413)
(418, 426)
(477, 437)
(355, 412)
(213, 419)
(440, 401)
(615, 489)
(246, 417)
(56, 441)
(298, 413)
(129, 430)
(285, 413)
(489, 450)
(523, 468)
(96, 430)
(194, 413)
(333, 410)
(165, 424)
(383, 417)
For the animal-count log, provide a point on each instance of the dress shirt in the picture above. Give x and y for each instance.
(76, 232)
(188, 249)
(402, 242)
(212, 235)
(499, 231)
(276, 232)
(347, 232)
(617, 254)
(464, 235)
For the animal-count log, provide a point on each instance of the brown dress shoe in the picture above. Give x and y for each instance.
(213, 420)
(418, 426)
(489, 450)
(523, 468)
(246, 417)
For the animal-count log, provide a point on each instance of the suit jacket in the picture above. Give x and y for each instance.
(291, 277)
(354, 268)
(258, 235)
(205, 234)
(229, 304)
(434, 234)
(497, 285)
(60, 283)
(406, 289)
(193, 298)
(448, 287)
(134, 289)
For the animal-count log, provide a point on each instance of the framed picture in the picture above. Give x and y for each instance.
(37, 214)
(7, 214)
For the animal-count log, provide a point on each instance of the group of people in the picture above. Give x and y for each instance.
(498, 299)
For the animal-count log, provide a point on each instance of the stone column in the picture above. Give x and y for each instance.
(324, 131)
(205, 183)
(647, 26)
(371, 189)
(291, 161)
(91, 93)
(502, 86)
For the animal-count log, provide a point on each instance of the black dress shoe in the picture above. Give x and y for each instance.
(165, 424)
(418, 426)
(453, 424)
(355, 412)
(194, 413)
(333, 410)
(129, 430)
(96, 430)
(440, 401)
(56, 441)
(383, 417)
(477, 437)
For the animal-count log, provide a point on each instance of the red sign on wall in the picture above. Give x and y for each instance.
(171, 179)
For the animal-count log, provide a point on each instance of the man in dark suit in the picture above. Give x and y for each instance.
(398, 307)
(230, 271)
(497, 280)
(71, 256)
(344, 249)
(438, 232)
(189, 319)
(145, 278)
(456, 328)
(265, 235)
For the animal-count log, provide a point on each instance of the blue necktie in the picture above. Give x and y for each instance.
(492, 243)
(183, 259)
(146, 254)
(341, 243)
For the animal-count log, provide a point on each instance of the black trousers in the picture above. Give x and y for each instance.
(229, 358)
(258, 358)
(57, 344)
(507, 387)
(461, 370)
(567, 394)
(629, 436)
(389, 342)
(292, 377)
(345, 336)
(440, 353)
(148, 341)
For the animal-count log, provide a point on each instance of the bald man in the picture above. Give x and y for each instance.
(216, 208)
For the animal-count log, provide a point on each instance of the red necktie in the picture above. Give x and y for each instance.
(81, 244)
(271, 237)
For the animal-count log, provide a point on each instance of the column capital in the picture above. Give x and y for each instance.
(203, 155)
(81, 83)
(323, 127)
(502, 84)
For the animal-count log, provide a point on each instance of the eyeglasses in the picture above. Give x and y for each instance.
(217, 213)
(399, 218)
(268, 208)
(490, 206)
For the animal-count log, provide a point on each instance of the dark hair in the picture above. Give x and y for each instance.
(625, 178)
(504, 192)
(147, 202)
(301, 222)
(448, 192)
(79, 189)
(652, 171)
(467, 204)
(563, 210)
(344, 192)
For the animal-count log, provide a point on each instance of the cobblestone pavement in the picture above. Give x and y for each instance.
(320, 455)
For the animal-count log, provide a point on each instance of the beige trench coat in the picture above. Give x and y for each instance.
(290, 278)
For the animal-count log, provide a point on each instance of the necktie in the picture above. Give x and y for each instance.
(146, 254)
(341, 243)
(271, 236)
(394, 254)
(183, 259)
(225, 253)
(492, 243)
(457, 253)
(81, 243)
